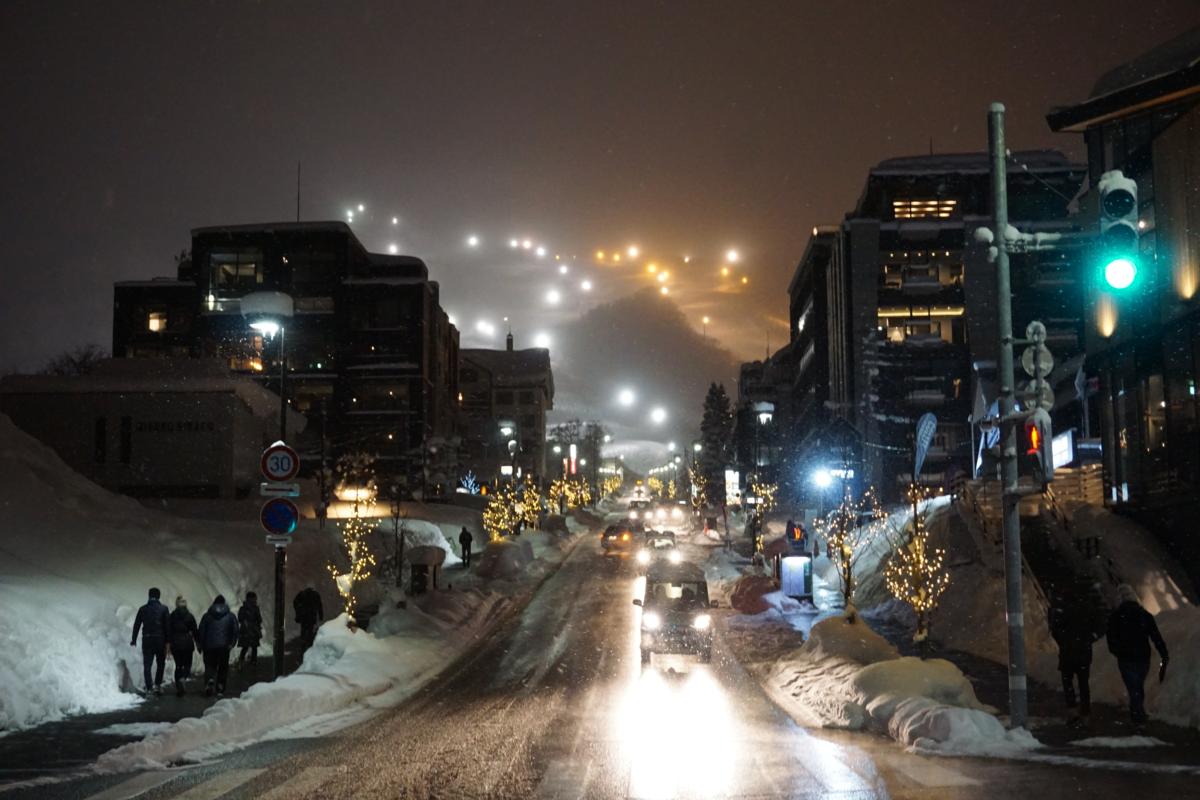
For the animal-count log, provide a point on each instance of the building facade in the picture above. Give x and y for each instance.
(370, 356)
(879, 309)
(506, 394)
(1143, 345)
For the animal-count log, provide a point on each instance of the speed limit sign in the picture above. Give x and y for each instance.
(280, 462)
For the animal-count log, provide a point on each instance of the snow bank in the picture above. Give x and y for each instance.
(847, 676)
(343, 673)
(1120, 742)
(505, 559)
(75, 563)
(422, 533)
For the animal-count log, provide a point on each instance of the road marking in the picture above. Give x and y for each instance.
(222, 783)
(137, 785)
(928, 774)
(302, 783)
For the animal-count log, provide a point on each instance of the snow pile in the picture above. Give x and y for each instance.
(505, 559)
(847, 676)
(422, 533)
(344, 673)
(748, 591)
(75, 563)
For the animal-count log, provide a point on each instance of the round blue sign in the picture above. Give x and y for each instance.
(279, 516)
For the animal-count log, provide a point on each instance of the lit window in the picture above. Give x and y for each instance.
(922, 209)
(157, 321)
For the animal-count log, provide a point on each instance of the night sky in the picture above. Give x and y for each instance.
(685, 128)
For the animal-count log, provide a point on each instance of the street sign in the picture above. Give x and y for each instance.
(279, 463)
(279, 516)
(1042, 399)
(278, 541)
(279, 489)
(1037, 360)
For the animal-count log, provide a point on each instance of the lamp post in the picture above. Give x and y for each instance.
(267, 313)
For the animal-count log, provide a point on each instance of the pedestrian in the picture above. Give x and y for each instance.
(309, 614)
(1131, 629)
(151, 620)
(250, 629)
(217, 635)
(1071, 628)
(464, 540)
(181, 635)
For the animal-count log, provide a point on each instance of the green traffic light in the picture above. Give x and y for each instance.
(1120, 273)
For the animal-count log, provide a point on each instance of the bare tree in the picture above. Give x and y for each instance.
(78, 361)
(849, 530)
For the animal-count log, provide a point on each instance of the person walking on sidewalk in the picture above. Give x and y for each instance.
(250, 629)
(181, 635)
(1070, 625)
(464, 540)
(218, 634)
(309, 614)
(1131, 629)
(151, 620)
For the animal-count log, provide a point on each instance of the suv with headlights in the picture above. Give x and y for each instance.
(658, 546)
(619, 540)
(675, 616)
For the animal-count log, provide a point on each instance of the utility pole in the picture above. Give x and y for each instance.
(1010, 499)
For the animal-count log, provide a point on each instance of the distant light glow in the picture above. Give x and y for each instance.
(514, 244)
(540, 252)
(485, 327)
(822, 478)
(733, 256)
(617, 257)
(724, 272)
(541, 340)
(472, 241)
(662, 277)
(705, 320)
(599, 255)
(632, 251)
(745, 280)
(526, 244)
(664, 291)
(395, 220)
(658, 415)
(563, 269)
(393, 249)
(687, 259)
(652, 268)
(266, 327)
(361, 208)
(626, 397)
(586, 286)
(553, 296)
(450, 319)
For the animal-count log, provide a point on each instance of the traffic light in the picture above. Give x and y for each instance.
(1118, 230)
(1039, 450)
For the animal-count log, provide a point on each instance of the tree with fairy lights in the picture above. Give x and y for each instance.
(916, 572)
(500, 517)
(611, 485)
(655, 485)
(531, 503)
(849, 529)
(699, 487)
(578, 493)
(356, 473)
(672, 489)
(557, 494)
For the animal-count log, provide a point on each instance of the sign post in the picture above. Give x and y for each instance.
(279, 517)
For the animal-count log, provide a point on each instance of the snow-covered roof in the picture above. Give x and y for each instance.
(156, 376)
(967, 163)
(1166, 72)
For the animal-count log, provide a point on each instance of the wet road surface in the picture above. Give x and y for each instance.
(555, 704)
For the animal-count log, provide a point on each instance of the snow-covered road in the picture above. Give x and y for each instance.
(555, 704)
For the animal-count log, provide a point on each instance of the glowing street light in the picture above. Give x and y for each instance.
(393, 249)
(724, 271)
(526, 244)
(585, 285)
(514, 244)
(652, 268)
(670, 447)
(822, 478)
(687, 259)
(632, 251)
(553, 296)
(563, 269)
(626, 397)
(732, 256)
(662, 277)
(658, 415)
(540, 252)
(472, 241)
(745, 280)
(599, 255)
(664, 291)
(395, 220)
(361, 208)
(485, 327)
(541, 340)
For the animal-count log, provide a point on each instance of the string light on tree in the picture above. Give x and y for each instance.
(848, 536)
(916, 573)
(356, 472)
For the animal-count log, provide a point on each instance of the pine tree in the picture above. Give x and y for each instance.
(716, 440)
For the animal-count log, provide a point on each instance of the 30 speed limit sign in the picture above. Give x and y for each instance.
(280, 462)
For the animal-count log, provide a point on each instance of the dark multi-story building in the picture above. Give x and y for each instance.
(506, 394)
(371, 357)
(1143, 345)
(879, 306)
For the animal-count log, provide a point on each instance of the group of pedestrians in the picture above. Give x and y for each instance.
(1129, 633)
(218, 632)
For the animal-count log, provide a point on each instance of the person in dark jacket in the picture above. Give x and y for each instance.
(181, 635)
(217, 635)
(250, 629)
(151, 620)
(309, 614)
(1131, 629)
(1071, 627)
(464, 541)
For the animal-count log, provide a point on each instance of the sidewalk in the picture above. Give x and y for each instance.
(73, 742)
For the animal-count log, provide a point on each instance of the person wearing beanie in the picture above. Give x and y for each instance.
(1131, 629)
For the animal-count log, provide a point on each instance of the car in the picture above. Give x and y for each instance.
(619, 540)
(639, 509)
(664, 515)
(675, 608)
(658, 546)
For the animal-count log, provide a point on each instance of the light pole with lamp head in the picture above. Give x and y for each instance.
(268, 314)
